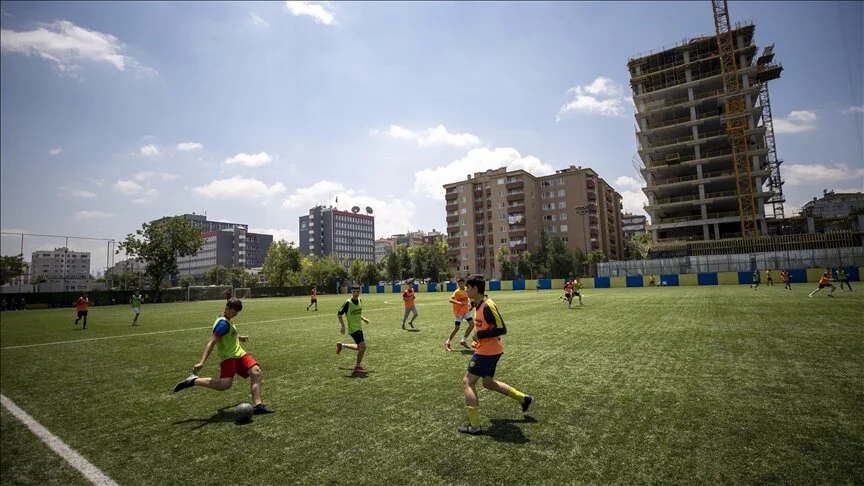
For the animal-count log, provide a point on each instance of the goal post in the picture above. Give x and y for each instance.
(242, 292)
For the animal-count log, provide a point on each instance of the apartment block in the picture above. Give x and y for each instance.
(685, 153)
(834, 205)
(346, 235)
(257, 246)
(226, 248)
(511, 208)
(632, 224)
(383, 247)
(62, 265)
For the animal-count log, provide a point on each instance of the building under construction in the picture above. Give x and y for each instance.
(700, 178)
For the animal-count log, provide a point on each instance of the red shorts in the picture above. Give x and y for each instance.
(237, 366)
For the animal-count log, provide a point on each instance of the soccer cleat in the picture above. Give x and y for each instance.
(526, 403)
(359, 369)
(447, 346)
(411, 324)
(339, 348)
(187, 383)
(468, 429)
(403, 326)
(261, 409)
(465, 345)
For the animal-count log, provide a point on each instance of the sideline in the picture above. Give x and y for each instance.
(82, 465)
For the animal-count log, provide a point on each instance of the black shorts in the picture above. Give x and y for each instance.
(483, 366)
(822, 286)
(357, 336)
(576, 294)
(314, 301)
(82, 314)
(568, 295)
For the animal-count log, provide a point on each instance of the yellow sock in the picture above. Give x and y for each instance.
(474, 416)
(516, 395)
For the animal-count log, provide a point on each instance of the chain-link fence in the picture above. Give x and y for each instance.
(740, 262)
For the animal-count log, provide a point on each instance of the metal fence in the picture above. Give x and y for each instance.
(740, 262)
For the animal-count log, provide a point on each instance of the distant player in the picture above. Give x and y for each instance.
(410, 306)
(235, 360)
(769, 282)
(353, 309)
(537, 285)
(786, 280)
(81, 306)
(136, 301)
(843, 279)
(825, 281)
(461, 311)
(755, 284)
(568, 293)
(313, 298)
(652, 281)
(489, 328)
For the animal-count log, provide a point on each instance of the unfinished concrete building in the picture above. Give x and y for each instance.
(684, 149)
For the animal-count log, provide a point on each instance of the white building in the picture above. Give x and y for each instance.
(72, 268)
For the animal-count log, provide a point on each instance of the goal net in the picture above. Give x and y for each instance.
(243, 293)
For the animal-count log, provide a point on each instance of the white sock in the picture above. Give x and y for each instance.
(463, 340)
(447, 342)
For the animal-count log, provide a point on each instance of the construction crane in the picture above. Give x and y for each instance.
(768, 71)
(736, 121)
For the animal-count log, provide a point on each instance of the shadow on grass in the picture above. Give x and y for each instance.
(505, 430)
(223, 415)
(466, 351)
(354, 374)
(413, 330)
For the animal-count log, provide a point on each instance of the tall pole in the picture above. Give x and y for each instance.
(22, 257)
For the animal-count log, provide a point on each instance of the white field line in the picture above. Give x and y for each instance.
(82, 465)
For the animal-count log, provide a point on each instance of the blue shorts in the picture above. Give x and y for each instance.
(483, 366)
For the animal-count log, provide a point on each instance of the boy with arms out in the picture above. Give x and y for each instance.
(235, 360)
(136, 301)
(461, 311)
(489, 328)
(353, 308)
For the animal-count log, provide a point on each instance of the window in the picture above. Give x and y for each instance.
(500, 181)
(562, 192)
(464, 210)
(563, 228)
(464, 233)
(545, 183)
(562, 204)
(560, 181)
(463, 199)
(500, 193)
(465, 245)
(563, 217)
(502, 205)
(503, 240)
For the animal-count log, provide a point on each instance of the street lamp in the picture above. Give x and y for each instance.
(583, 210)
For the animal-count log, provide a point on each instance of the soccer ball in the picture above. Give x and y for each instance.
(243, 412)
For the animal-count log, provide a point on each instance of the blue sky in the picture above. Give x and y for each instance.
(118, 113)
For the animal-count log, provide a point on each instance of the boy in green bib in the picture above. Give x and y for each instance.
(353, 309)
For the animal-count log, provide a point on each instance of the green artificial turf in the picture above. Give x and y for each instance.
(689, 385)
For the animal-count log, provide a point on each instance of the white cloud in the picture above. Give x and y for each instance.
(854, 109)
(85, 215)
(257, 21)
(77, 192)
(55, 151)
(310, 9)
(133, 189)
(289, 235)
(147, 174)
(240, 188)
(632, 197)
(392, 215)
(804, 174)
(149, 150)
(430, 182)
(66, 44)
(433, 137)
(797, 121)
(187, 146)
(253, 160)
(96, 182)
(602, 97)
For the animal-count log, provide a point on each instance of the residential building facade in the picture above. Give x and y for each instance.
(62, 265)
(632, 224)
(345, 235)
(225, 247)
(685, 153)
(383, 247)
(257, 246)
(834, 205)
(511, 208)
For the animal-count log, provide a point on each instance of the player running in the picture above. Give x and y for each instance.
(313, 298)
(784, 275)
(755, 284)
(568, 293)
(824, 281)
(769, 281)
(843, 279)
(81, 306)
(489, 328)
(461, 311)
(235, 360)
(136, 301)
(410, 307)
(353, 309)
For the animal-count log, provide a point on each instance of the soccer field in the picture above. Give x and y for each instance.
(685, 385)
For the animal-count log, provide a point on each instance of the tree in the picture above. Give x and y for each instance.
(187, 281)
(393, 270)
(560, 262)
(371, 274)
(540, 257)
(283, 264)
(357, 270)
(11, 267)
(322, 271)
(593, 258)
(404, 257)
(525, 265)
(160, 244)
(502, 256)
(638, 246)
(217, 275)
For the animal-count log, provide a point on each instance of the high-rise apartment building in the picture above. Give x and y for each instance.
(632, 224)
(686, 155)
(257, 246)
(346, 235)
(62, 265)
(500, 207)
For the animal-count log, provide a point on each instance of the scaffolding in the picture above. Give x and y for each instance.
(736, 120)
(767, 72)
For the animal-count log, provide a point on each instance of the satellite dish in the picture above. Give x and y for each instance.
(368, 209)
(355, 209)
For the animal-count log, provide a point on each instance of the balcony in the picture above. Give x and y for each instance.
(452, 219)
(518, 233)
(515, 184)
(454, 252)
(589, 184)
(453, 229)
(592, 196)
(676, 158)
(452, 242)
(451, 196)
(452, 207)
(515, 197)
(519, 247)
